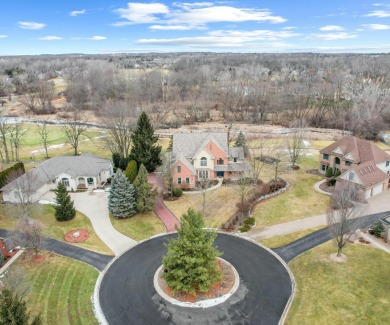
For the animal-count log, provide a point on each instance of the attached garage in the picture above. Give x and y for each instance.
(374, 190)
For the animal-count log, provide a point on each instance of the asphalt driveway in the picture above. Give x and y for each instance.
(127, 294)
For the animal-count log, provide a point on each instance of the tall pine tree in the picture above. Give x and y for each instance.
(64, 209)
(145, 197)
(144, 149)
(121, 201)
(191, 261)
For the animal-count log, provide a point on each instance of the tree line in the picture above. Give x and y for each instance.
(346, 91)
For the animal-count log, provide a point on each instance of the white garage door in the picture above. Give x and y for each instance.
(377, 189)
(368, 193)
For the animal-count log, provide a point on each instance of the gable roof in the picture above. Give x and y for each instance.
(358, 150)
(74, 166)
(186, 163)
(368, 173)
(189, 143)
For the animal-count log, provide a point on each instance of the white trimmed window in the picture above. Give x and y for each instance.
(187, 180)
(179, 180)
(203, 161)
(179, 169)
(65, 181)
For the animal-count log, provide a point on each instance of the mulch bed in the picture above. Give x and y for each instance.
(326, 188)
(217, 290)
(70, 236)
(38, 259)
(314, 172)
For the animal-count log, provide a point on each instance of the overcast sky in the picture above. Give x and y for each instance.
(101, 26)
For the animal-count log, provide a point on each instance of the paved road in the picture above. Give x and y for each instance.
(95, 206)
(295, 248)
(166, 216)
(127, 295)
(94, 259)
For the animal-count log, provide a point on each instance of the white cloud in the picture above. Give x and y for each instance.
(77, 12)
(97, 38)
(376, 26)
(289, 28)
(227, 38)
(141, 13)
(50, 38)
(3, 36)
(379, 14)
(191, 14)
(30, 25)
(175, 27)
(331, 27)
(332, 36)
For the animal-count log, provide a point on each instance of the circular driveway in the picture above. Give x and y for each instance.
(127, 295)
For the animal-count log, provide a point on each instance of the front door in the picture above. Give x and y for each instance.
(220, 174)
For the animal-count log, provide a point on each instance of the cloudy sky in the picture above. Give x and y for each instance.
(101, 26)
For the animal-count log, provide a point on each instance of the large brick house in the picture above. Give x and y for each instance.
(205, 155)
(359, 161)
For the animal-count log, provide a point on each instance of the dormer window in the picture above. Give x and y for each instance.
(348, 163)
(235, 159)
(351, 176)
(220, 161)
(179, 169)
(325, 156)
(388, 163)
(203, 161)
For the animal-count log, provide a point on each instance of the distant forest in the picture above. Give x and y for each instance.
(345, 91)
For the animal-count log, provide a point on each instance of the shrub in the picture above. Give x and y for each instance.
(245, 228)
(329, 172)
(250, 221)
(377, 229)
(331, 182)
(177, 192)
(338, 173)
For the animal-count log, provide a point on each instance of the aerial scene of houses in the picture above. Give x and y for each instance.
(194, 163)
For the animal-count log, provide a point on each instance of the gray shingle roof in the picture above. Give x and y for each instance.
(236, 152)
(189, 143)
(84, 165)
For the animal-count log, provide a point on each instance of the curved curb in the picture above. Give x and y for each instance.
(199, 304)
(209, 189)
(96, 302)
(316, 187)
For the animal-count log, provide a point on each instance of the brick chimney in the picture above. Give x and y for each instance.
(226, 130)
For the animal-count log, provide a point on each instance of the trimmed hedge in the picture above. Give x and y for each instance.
(17, 169)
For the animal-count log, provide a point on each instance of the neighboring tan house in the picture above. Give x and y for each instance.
(76, 172)
(205, 155)
(359, 161)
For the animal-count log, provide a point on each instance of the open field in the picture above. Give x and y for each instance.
(61, 289)
(53, 228)
(328, 292)
(140, 226)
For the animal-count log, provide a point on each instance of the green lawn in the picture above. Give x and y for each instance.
(220, 205)
(52, 227)
(286, 239)
(299, 201)
(355, 292)
(140, 226)
(61, 289)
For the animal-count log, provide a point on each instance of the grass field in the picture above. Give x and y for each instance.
(355, 292)
(140, 226)
(299, 201)
(220, 205)
(61, 289)
(52, 227)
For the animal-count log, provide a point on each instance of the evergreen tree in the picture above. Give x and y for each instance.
(121, 201)
(64, 209)
(170, 145)
(145, 150)
(13, 310)
(131, 171)
(145, 197)
(116, 157)
(191, 261)
(241, 142)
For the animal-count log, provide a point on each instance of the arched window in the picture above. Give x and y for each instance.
(65, 181)
(203, 161)
(220, 161)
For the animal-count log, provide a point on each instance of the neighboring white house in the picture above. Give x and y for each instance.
(85, 171)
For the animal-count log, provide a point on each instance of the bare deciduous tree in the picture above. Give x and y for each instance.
(242, 190)
(75, 129)
(345, 214)
(294, 141)
(167, 165)
(29, 234)
(43, 132)
(15, 135)
(4, 129)
(204, 185)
